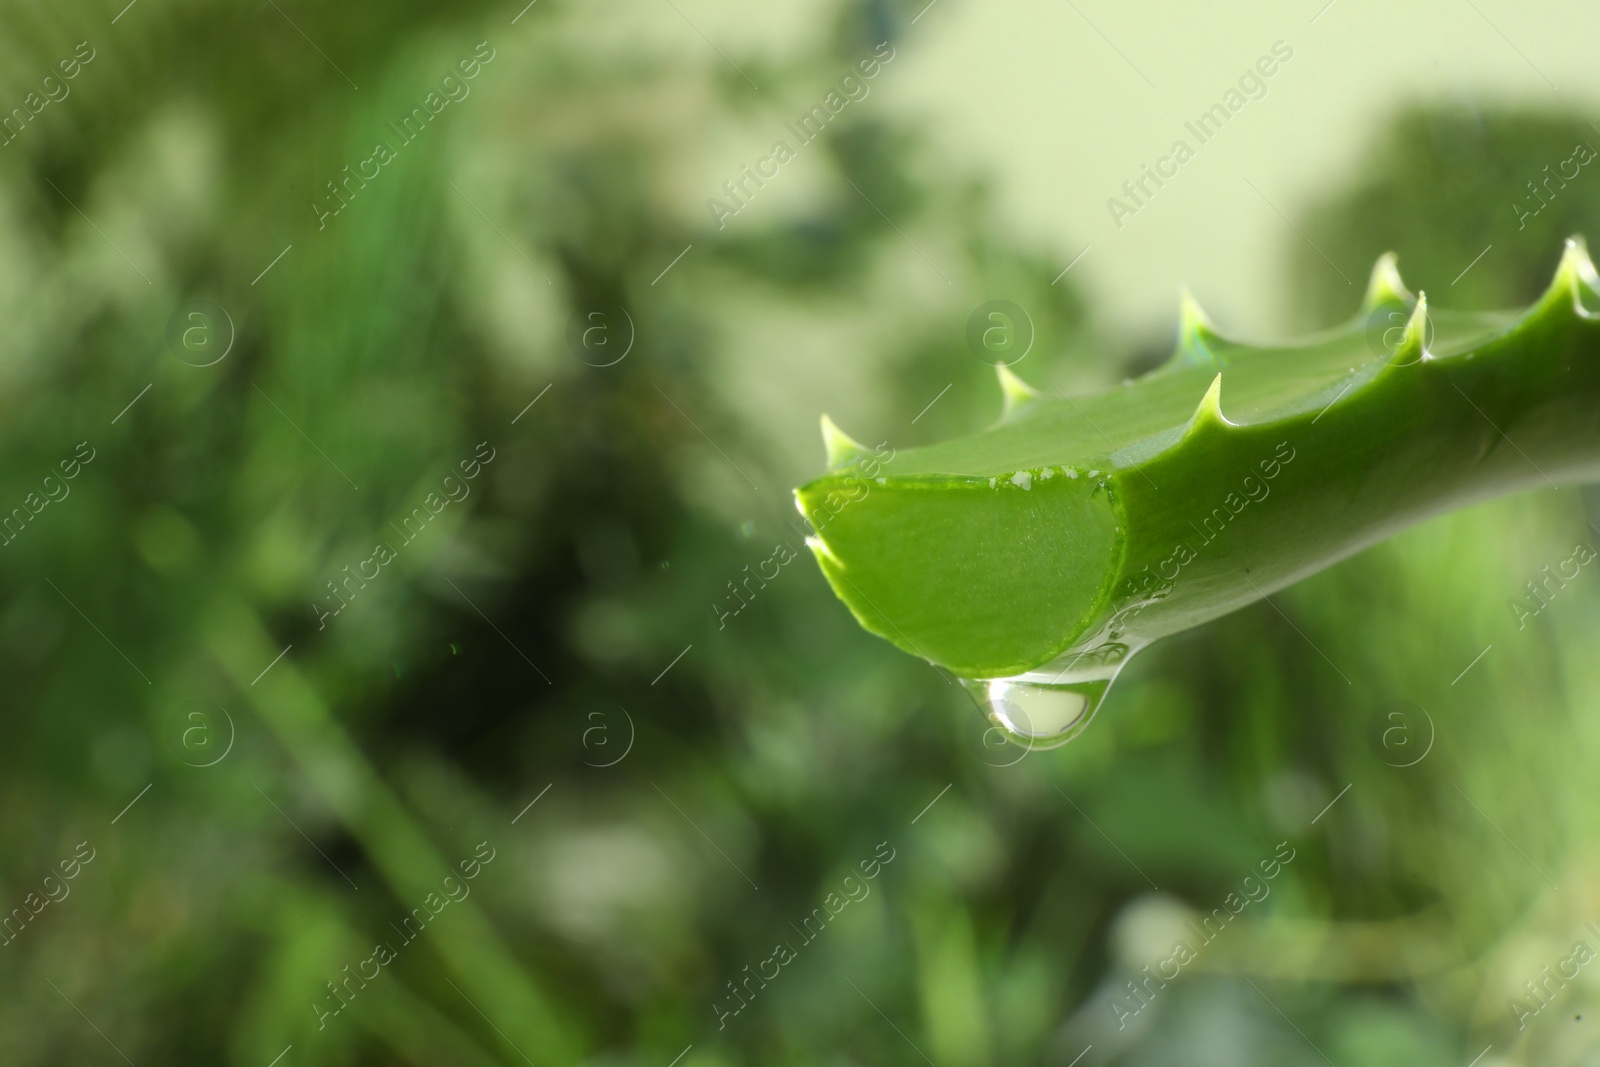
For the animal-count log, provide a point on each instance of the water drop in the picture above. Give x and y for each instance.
(1047, 707)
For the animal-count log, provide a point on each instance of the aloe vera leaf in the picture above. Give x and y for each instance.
(1227, 473)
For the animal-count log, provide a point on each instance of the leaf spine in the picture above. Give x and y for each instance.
(1208, 414)
(1574, 279)
(842, 448)
(1197, 335)
(1016, 393)
(1385, 285)
(1413, 347)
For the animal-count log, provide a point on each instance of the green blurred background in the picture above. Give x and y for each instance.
(549, 673)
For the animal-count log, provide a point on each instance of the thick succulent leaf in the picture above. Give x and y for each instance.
(1227, 473)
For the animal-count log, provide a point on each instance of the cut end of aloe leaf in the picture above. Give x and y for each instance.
(1037, 546)
(1087, 527)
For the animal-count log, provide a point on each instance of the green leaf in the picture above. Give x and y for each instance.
(1091, 526)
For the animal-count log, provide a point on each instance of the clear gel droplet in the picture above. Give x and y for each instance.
(1048, 707)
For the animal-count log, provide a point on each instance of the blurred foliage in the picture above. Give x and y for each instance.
(566, 612)
(1443, 186)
